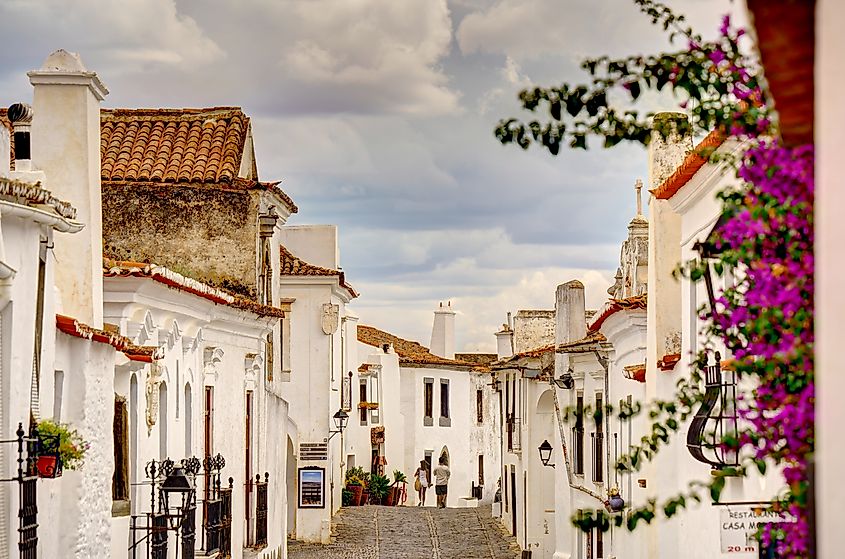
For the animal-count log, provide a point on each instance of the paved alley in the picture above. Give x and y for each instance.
(373, 532)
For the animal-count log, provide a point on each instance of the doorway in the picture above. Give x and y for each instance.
(514, 522)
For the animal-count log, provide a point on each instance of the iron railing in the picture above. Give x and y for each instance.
(261, 509)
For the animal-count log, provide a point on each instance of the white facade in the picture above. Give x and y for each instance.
(317, 339)
(428, 405)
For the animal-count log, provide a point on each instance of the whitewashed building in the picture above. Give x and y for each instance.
(410, 404)
(684, 212)
(316, 343)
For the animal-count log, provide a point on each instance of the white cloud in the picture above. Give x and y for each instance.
(530, 28)
(121, 36)
(391, 51)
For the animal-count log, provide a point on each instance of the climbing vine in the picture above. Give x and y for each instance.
(765, 238)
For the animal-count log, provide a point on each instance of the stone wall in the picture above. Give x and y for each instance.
(533, 329)
(207, 234)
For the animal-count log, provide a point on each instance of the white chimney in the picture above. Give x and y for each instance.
(66, 146)
(443, 332)
(504, 342)
(666, 152)
(570, 321)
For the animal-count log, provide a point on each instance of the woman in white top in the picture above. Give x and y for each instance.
(423, 475)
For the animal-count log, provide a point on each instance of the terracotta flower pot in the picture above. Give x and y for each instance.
(48, 466)
(390, 498)
(357, 492)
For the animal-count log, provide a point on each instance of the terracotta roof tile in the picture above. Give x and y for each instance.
(585, 344)
(635, 372)
(638, 302)
(696, 159)
(294, 266)
(31, 194)
(172, 145)
(115, 268)
(545, 354)
(73, 327)
(409, 352)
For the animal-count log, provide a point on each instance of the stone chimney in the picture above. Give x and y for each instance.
(570, 318)
(443, 332)
(666, 152)
(66, 146)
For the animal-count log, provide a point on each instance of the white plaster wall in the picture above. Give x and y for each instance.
(315, 244)
(830, 300)
(314, 390)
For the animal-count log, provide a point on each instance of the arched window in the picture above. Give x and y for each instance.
(189, 419)
(162, 421)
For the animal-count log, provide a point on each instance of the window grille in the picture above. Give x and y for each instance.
(598, 457)
(716, 419)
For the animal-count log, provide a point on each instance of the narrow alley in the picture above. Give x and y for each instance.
(374, 532)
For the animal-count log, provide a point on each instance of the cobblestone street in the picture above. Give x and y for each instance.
(372, 532)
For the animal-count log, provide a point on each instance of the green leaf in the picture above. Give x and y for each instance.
(634, 89)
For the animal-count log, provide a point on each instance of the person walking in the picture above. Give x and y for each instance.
(422, 481)
(441, 481)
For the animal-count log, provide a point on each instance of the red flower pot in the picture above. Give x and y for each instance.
(48, 466)
(357, 493)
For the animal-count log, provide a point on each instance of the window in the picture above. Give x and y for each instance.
(374, 397)
(481, 469)
(479, 406)
(120, 478)
(268, 357)
(444, 398)
(578, 435)
(598, 441)
(189, 420)
(428, 401)
(162, 421)
(208, 422)
(599, 544)
(362, 397)
(58, 390)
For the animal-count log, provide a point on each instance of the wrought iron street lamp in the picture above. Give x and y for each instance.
(546, 453)
(340, 418)
(176, 483)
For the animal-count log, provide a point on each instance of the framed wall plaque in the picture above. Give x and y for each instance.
(312, 488)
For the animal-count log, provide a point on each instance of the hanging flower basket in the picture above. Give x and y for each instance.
(59, 447)
(368, 406)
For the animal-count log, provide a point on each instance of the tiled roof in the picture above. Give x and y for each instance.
(193, 147)
(545, 354)
(31, 194)
(409, 352)
(638, 302)
(585, 344)
(696, 159)
(635, 372)
(115, 268)
(477, 358)
(73, 327)
(172, 145)
(294, 266)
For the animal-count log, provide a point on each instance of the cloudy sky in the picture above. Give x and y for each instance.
(378, 116)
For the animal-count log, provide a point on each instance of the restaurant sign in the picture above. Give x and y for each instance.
(739, 526)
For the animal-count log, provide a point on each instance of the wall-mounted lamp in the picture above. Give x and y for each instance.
(546, 453)
(340, 419)
(565, 381)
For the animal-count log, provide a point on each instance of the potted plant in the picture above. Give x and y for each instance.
(346, 497)
(379, 486)
(60, 447)
(356, 481)
(615, 502)
(397, 488)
